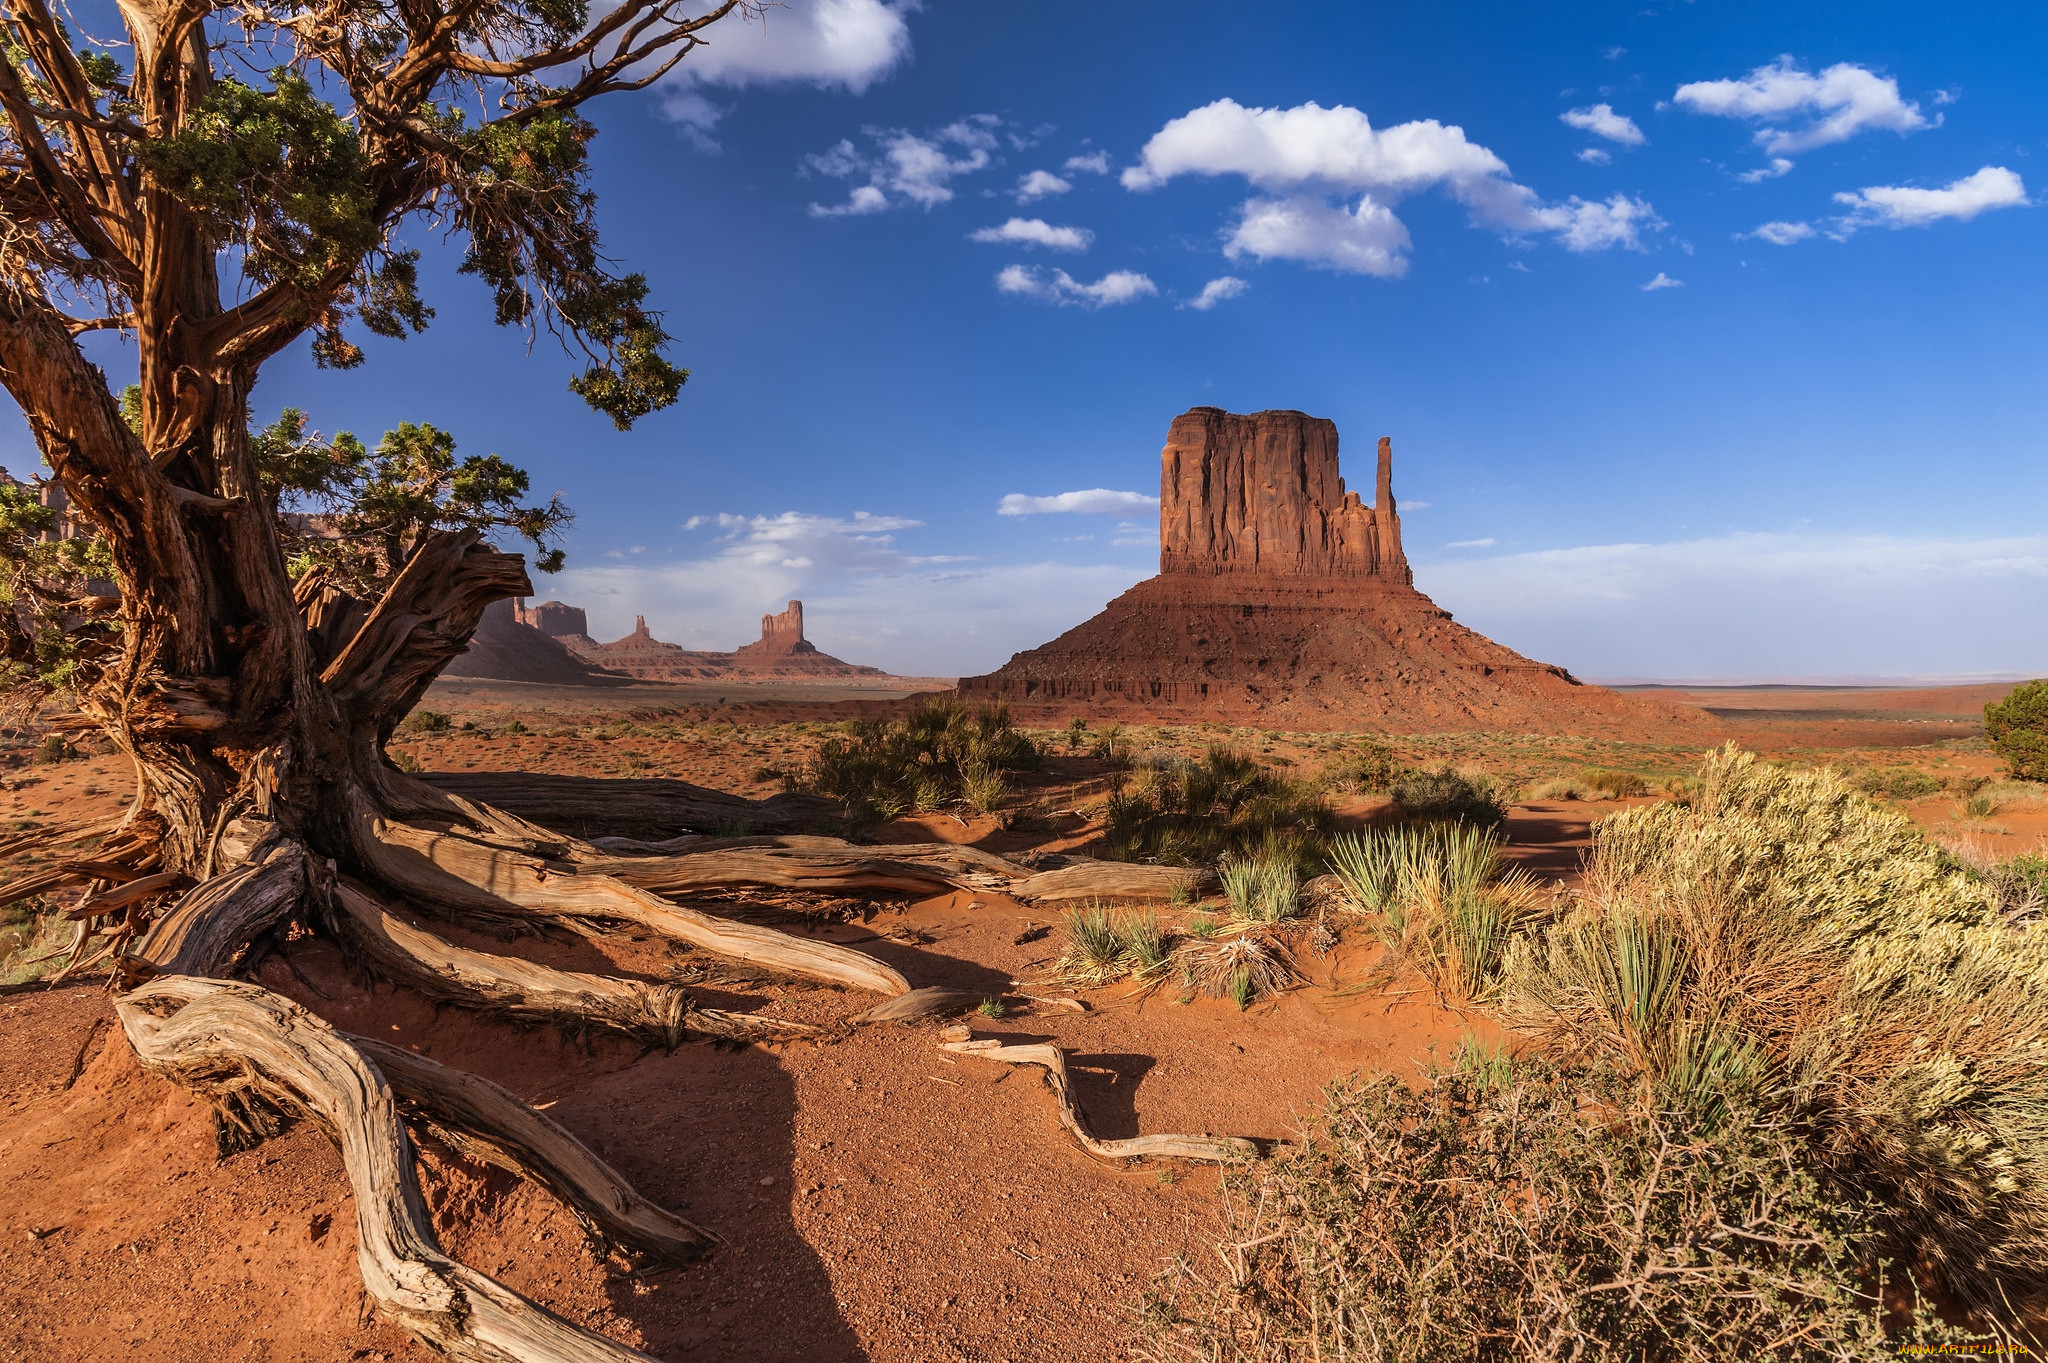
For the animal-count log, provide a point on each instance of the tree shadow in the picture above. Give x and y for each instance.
(1106, 1087)
(707, 1132)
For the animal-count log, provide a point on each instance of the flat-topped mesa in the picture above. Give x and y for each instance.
(554, 619)
(1262, 494)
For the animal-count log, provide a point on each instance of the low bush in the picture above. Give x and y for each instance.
(1521, 1211)
(1897, 783)
(53, 749)
(1370, 770)
(942, 753)
(1443, 794)
(2017, 728)
(426, 722)
(1177, 812)
(1783, 939)
(1262, 889)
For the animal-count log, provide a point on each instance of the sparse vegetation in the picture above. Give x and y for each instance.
(1492, 1214)
(1244, 964)
(942, 753)
(2017, 728)
(1897, 783)
(1263, 888)
(1442, 794)
(1593, 783)
(1178, 812)
(1783, 939)
(1369, 770)
(427, 722)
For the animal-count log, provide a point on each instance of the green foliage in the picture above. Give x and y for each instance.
(1244, 964)
(1371, 770)
(1094, 951)
(1523, 1211)
(1783, 936)
(426, 722)
(1262, 888)
(940, 753)
(377, 505)
(48, 628)
(1436, 895)
(992, 1008)
(1897, 783)
(1182, 813)
(1444, 794)
(54, 749)
(2017, 728)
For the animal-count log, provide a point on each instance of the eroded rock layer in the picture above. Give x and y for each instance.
(1283, 598)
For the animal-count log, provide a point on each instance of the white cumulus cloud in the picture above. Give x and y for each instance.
(1783, 233)
(1036, 232)
(1308, 155)
(1096, 501)
(1216, 291)
(1595, 156)
(1799, 110)
(1059, 287)
(1094, 163)
(834, 44)
(1039, 184)
(1601, 121)
(1903, 206)
(1663, 281)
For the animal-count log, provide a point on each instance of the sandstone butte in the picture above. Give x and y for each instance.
(550, 642)
(1285, 600)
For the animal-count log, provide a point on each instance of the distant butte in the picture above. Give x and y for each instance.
(551, 642)
(1283, 598)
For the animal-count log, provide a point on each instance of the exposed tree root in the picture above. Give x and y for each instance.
(646, 807)
(215, 921)
(236, 1042)
(481, 1119)
(1214, 1149)
(444, 869)
(658, 1013)
(919, 1003)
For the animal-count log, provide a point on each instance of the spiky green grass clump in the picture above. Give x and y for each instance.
(1436, 895)
(1177, 812)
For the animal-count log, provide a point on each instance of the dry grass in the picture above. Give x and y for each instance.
(1784, 937)
(1243, 964)
(1491, 1215)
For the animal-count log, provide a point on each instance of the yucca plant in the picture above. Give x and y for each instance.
(1095, 947)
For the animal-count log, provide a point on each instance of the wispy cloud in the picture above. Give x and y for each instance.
(1039, 184)
(1094, 163)
(901, 167)
(1783, 233)
(1601, 121)
(833, 44)
(1063, 290)
(1486, 543)
(1216, 291)
(1663, 281)
(1096, 501)
(1799, 110)
(1762, 604)
(1904, 206)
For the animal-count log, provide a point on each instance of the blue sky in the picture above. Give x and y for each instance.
(1708, 335)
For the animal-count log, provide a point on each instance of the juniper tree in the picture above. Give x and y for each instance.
(237, 181)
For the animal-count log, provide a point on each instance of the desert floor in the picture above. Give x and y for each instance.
(881, 1199)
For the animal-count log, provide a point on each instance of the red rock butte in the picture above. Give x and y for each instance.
(1285, 600)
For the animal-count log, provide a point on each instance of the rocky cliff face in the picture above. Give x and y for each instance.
(1262, 494)
(554, 619)
(1283, 597)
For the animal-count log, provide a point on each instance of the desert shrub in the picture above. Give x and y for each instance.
(426, 722)
(2017, 728)
(33, 938)
(1521, 1211)
(1077, 734)
(1897, 783)
(1605, 784)
(1263, 888)
(1371, 770)
(1444, 794)
(1784, 936)
(1177, 812)
(1244, 964)
(53, 749)
(925, 761)
(1435, 894)
(406, 762)
(1559, 788)
(1094, 950)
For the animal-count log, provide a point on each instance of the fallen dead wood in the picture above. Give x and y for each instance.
(235, 1041)
(444, 869)
(1084, 878)
(651, 808)
(1214, 1149)
(483, 1120)
(658, 1013)
(919, 1003)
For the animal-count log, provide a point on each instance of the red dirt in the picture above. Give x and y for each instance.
(883, 1200)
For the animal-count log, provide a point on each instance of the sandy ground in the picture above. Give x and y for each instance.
(883, 1200)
